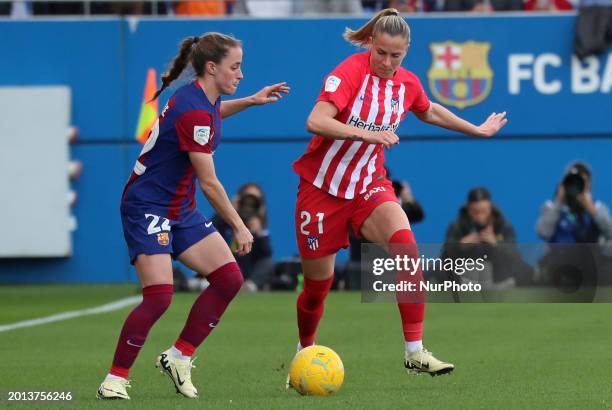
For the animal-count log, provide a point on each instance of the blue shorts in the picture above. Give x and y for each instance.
(152, 234)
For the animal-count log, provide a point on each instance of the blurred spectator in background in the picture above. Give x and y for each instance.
(573, 216)
(593, 28)
(404, 6)
(201, 8)
(27, 8)
(411, 6)
(332, 6)
(267, 8)
(548, 5)
(573, 224)
(257, 266)
(64, 8)
(481, 229)
(483, 6)
(135, 8)
(370, 6)
(459, 5)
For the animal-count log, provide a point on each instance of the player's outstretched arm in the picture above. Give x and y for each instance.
(440, 116)
(322, 121)
(268, 94)
(215, 193)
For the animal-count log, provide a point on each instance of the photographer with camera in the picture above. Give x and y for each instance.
(574, 217)
(257, 266)
(576, 227)
(481, 229)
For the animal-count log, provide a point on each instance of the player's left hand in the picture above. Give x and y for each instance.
(271, 93)
(492, 124)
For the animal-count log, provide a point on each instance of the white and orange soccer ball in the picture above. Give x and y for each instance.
(316, 371)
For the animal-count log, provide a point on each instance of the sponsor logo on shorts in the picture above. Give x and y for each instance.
(163, 238)
(313, 242)
(374, 191)
(207, 224)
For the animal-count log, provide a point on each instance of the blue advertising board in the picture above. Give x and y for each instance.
(559, 111)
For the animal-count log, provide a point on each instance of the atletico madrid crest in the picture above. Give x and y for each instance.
(460, 74)
(313, 242)
(163, 238)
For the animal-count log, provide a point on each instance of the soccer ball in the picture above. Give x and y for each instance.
(316, 371)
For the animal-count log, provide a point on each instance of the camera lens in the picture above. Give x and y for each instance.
(574, 184)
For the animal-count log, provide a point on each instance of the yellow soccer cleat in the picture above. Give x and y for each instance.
(180, 373)
(422, 361)
(113, 389)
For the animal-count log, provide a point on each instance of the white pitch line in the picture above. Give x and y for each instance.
(109, 307)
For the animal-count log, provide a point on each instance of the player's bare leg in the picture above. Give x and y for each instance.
(155, 274)
(388, 224)
(212, 258)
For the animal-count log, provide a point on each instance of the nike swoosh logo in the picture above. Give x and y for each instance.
(178, 378)
(211, 324)
(207, 224)
(116, 392)
(410, 365)
(132, 344)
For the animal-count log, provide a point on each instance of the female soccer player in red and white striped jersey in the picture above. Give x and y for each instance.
(342, 178)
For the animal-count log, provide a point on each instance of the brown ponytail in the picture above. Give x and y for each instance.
(198, 50)
(385, 21)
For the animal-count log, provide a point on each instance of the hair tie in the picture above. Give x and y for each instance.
(195, 40)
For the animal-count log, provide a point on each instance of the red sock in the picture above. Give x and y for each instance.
(310, 307)
(225, 283)
(155, 300)
(411, 307)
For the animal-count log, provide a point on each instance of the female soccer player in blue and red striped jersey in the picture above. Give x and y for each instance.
(159, 215)
(342, 177)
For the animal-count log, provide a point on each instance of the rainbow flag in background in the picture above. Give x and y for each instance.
(149, 110)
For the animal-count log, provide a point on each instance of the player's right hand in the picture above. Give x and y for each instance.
(244, 240)
(387, 138)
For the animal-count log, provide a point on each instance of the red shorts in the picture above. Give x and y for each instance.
(322, 220)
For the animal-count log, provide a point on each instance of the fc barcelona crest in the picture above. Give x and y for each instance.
(460, 74)
(163, 238)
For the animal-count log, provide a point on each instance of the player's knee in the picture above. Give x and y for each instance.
(228, 279)
(157, 299)
(315, 291)
(234, 281)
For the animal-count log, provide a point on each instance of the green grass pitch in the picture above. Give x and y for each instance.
(506, 355)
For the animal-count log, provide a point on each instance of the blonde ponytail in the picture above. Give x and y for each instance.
(385, 21)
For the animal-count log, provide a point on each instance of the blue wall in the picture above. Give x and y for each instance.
(105, 62)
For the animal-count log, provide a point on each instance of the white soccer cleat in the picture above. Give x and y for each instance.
(113, 389)
(288, 382)
(422, 361)
(179, 371)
